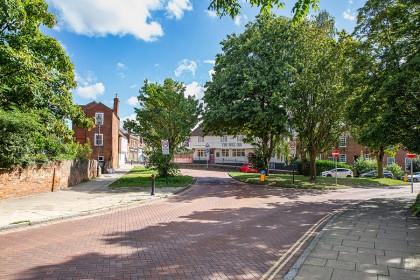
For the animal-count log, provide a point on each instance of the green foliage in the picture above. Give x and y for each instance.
(384, 78)
(233, 7)
(162, 163)
(84, 151)
(365, 165)
(321, 166)
(257, 160)
(395, 169)
(416, 206)
(164, 113)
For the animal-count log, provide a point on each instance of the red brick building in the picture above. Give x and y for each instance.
(104, 137)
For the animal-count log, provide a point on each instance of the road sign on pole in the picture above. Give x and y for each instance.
(335, 154)
(207, 148)
(292, 146)
(165, 147)
(411, 156)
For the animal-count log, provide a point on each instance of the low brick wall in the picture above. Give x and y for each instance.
(51, 176)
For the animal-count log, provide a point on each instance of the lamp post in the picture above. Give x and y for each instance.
(411, 156)
(98, 123)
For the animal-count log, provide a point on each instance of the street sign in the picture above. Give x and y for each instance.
(409, 155)
(292, 146)
(336, 153)
(165, 147)
(207, 148)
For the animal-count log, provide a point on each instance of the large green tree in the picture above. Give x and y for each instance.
(36, 75)
(317, 101)
(165, 113)
(250, 81)
(233, 7)
(385, 105)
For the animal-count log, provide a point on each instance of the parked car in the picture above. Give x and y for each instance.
(248, 168)
(341, 172)
(416, 177)
(374, 173)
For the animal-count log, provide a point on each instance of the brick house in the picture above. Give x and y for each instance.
(104, 137)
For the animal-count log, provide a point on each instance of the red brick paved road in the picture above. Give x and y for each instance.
(219, 229)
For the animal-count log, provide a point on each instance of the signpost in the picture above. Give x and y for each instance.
(292, 146)
(208, 153)
(411, 156)
(165, 151)
(335, 154)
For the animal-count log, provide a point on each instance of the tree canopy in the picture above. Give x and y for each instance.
(385, 77)
(36, 75)
(165, 113)
(233, 7)
(249, 84)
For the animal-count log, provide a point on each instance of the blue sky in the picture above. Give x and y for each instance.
(116, 45)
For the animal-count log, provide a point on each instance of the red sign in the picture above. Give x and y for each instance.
(411, 155)
(335, 153)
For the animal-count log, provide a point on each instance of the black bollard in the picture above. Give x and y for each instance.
(153, 184)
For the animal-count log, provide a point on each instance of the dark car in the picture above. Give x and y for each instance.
(374, 173)
(248, 168)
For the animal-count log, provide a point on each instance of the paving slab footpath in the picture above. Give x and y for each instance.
(83, 199)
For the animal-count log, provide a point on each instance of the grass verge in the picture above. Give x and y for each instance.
(140, 177)
(321, 183)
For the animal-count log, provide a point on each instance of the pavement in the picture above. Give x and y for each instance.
(80, 200)
(373, 239)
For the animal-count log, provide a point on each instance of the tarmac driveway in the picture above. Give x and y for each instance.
(218, 229)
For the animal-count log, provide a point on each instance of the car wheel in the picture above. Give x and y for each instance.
(348, 176)
(415, 180)
(329, 175)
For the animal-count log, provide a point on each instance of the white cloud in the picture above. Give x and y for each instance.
(209, 61)
(88, 87)
(195, 90)
(134, 86)
(351, 1)
(211, 14)
(99, 18)
(348, 15)
(176, 8)
(238, 19)
(132, 101)
(130, 117)
(211, 72)
(91, 91)
(121, 66)
(185, 65)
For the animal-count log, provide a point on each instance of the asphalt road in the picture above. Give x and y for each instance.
(218, 229)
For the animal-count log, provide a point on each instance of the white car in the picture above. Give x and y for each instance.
(416, 177)
(341, 172)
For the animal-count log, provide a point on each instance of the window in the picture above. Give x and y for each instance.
(367, 157)
(225, 152)
(240, 138)
(342, 142)
(101, 158)
(200, 139)
(217, 154)
(238, 152)
(319, 156)
(223, 138)
(201, 153)
(342, 158)
(99, 118)
(99, 139)
(390, 160)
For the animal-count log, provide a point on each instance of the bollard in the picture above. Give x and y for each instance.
(153, 184)
(262, 176)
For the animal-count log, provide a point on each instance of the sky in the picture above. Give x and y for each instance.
(115, 45)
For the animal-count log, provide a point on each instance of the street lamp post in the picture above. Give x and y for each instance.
(98, 123)
(411, 156)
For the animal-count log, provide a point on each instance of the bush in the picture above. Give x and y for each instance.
(257, 160)
(395, 169)
(162, 163)
(365, 165)
(322, 165)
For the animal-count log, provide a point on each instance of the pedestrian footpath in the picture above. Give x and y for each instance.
(375, 239)
(83, 199)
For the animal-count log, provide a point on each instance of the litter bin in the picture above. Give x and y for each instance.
(262, 176)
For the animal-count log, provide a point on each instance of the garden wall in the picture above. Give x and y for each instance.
(48, 177)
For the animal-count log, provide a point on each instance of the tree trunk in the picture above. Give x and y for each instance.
(312, 166)
(380, 161)
(304, 164)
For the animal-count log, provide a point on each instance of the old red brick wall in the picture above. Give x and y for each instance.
(52, 176)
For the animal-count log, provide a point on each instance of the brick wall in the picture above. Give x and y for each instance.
(52, 176)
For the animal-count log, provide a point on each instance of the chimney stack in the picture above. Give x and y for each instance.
(116, 105)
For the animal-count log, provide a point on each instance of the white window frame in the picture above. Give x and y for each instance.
(102, 118)
(223, 138)
(238, 152)
(200, 138)
(101, 138)
(225, 152)
(240, 138)
(342, 158)
(390, 161)
(342, 142)
(201, 153)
